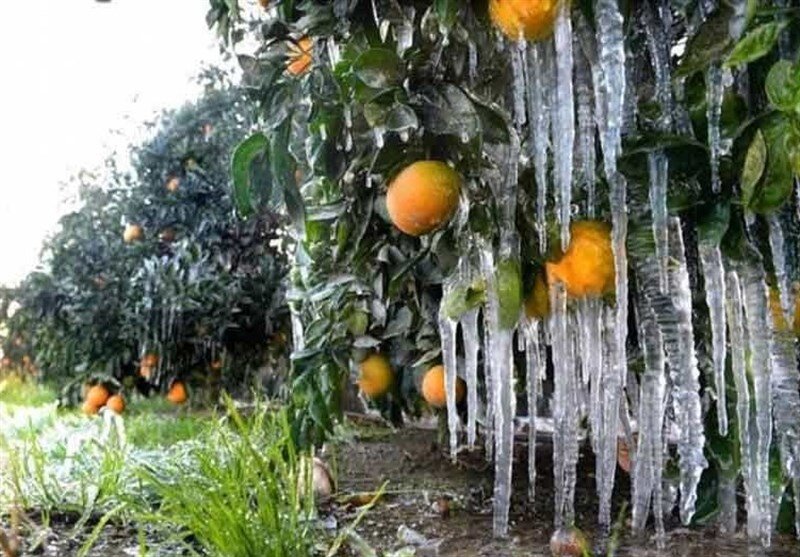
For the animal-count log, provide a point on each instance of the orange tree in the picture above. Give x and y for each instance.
(353, 92)
(153, 262)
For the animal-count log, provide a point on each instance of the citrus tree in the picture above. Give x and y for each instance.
(153, 268)
(674, 124)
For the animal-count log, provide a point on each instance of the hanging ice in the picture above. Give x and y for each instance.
(649, 462)
(778, 250)
(534, 371)
(519, 83)
(540, 79)
(585, 148)
(658, 167)
(754, 294)
(590, 327)
(714, 277)
(564, 120)
(673, 312)
(564, 408)
(469, 333)
(714, 91)
(487, 380)
(448, 329)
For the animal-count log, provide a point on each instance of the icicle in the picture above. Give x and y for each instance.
(778, 249)
(564, 409)
(534, 371)
(658, 166)
(540, 78)
(649, 462)
(518, 86)
(610, 392)
(786, 401)
(673, 312)
(564, 124)
(487, 379)
(590, 325)
(298, 339)
(726, 499)
(586, 129)
(754, 293)
(469, 333)
(610, 85)
(448, 329)
(503, 401)
(739, 368)
(714, 92)
(714, 277)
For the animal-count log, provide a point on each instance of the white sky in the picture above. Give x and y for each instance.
(72, 70)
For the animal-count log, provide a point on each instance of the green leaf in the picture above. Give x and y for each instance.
(757, 43)
(754, 163)
(783, 86)
(463, 298)
(446, 12)
(248, 170)
(711, 42)
(379, 68)
(448, 111)
(778, 181)
(713, 223)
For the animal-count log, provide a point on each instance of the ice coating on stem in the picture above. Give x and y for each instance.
(756, 311)
(564, 408)
(714, 92)
(469, 333)
(714, 278)
(448, 329)
(540, 80)
(649, 462)
(564, 120)
(658, 168)
(534, 370)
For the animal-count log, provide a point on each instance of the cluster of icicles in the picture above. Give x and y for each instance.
(566, 90)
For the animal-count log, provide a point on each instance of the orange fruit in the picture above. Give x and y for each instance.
(173, 184)
(97, 396)
(216, 365)
(89, 409)
(376, 376)
(423, 197)
(587, 267)
(300, 56)
(146, 371)
(264, 3)
(116, 403)
(150, 359)
(537, 304)
(177, 393)
(132, 233)
(433, 390)
(524, 19)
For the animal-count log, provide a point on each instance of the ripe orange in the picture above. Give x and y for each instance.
(376, 376)
(300, 56)
(524, 19)
(423, 197)
(177, 393)
(537, 304)
(89, 409)
(150, 359)
(587, 267)
(433, 390)
(146, 371)
(173, 184)
(216, 365)
(97, 396)
(116, 403)
(133, 233)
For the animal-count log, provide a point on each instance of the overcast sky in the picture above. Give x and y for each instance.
(72, 70)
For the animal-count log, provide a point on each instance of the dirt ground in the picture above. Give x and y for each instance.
(420, 475)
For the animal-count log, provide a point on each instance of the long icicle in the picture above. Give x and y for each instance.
(755, 298)
(534, 371)
(469, 333)
(540, 79)
(448, 329)
(714, 276)
(564, 124)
